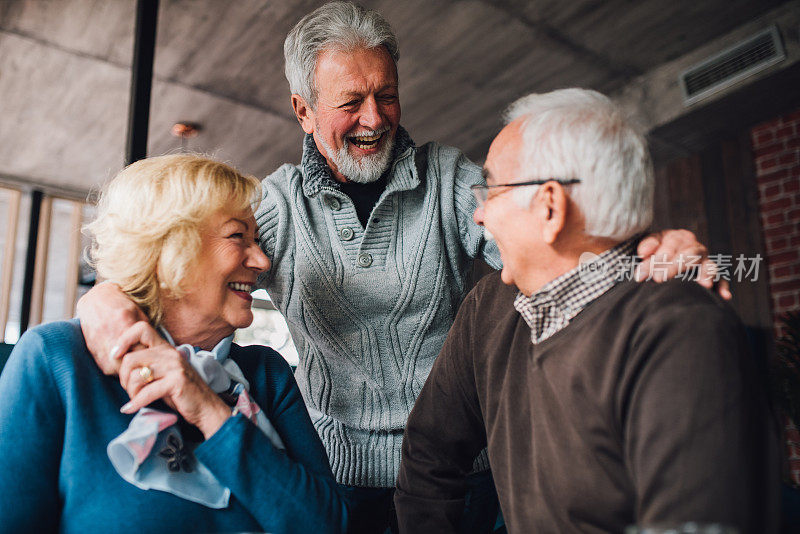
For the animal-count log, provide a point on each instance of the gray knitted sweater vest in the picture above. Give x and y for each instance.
(369, 308)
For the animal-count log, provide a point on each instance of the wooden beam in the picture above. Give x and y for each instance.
(73, 260)
(144, 49)
(30, 260)
(26, 184)
(14, 198)
(40, 266)
(751, 298)
(679, 198)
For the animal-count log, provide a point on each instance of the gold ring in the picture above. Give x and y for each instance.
(146, 374)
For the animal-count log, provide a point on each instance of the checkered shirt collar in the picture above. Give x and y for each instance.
(552, 307)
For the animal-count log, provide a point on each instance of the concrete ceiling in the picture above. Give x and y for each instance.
(65, 71)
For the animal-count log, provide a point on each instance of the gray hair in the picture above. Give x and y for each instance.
(339, 26)
(579, 133)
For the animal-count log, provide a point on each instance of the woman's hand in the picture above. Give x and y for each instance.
(172, 378)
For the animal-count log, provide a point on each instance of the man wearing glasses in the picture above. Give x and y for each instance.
(604, 403)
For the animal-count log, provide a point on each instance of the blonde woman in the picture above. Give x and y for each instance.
(196, 433)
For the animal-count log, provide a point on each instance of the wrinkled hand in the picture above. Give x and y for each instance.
(669, 253)
(173, 379)
(105, 313)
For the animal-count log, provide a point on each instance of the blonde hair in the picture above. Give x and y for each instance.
(147, 230)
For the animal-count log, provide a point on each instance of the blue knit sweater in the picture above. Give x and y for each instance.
(369, 307)
(58, 413)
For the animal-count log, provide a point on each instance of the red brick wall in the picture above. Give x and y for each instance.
(776, 149)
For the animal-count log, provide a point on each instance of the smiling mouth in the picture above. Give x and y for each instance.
(366, 142)
(244, 287)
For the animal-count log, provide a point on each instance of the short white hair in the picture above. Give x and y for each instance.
(580, 133)
(335, 26)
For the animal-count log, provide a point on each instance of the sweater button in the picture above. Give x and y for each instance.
(333, 203)
(364, 259)
(346, 234)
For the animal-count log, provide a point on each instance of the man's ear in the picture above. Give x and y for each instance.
(304, 113)
(553, 205)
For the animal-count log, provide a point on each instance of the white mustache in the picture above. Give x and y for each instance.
(370, 133)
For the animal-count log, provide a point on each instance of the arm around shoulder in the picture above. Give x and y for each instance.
(274, 216)
(105, 313)
(472, 236)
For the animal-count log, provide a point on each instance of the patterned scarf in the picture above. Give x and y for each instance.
(153, 454)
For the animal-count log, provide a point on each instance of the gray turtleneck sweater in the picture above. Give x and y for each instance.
(369, 308)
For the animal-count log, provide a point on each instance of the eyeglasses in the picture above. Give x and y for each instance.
(481, 191)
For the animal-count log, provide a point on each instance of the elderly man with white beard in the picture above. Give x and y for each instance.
(372, 241)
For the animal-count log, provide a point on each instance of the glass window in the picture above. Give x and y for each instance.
(59, 265)
(13, 258)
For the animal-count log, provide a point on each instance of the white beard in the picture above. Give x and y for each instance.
(365, 170)
(487, 235)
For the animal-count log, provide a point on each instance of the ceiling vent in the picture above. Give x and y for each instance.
(733, 64)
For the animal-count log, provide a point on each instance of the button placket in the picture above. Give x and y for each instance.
(346, 234)
(333, 203)
(364, 259)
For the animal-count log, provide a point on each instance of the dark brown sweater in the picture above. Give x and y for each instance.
(647, 408)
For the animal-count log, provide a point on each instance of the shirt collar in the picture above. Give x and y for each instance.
(220, 351)
(552, 307)
(317, 174)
